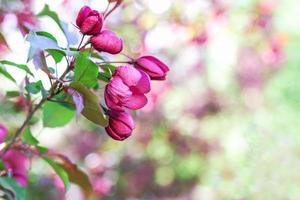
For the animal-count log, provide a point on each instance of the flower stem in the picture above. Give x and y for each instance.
(117, 62)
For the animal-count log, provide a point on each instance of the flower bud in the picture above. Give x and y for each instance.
(107, 41)
(17, 163)
(155, 68)
(120, 125)
(89, 21)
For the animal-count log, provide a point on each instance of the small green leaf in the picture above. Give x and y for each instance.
(108, 67)
(20, 66)
(46, 34)
(107, 72)
(29, 138)
(59, 171)
(92, 109)
(103, 76)
(35, 87)
(6, 74)
(86, 71)
(56, 54)
(12, 94)
(2, 166)
(56, 115)
(14, 187)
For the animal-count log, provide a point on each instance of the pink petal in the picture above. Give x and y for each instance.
(89, 24)
(158, 62)
(144, 83)
(155, 68)
(136, 101)
(18, 163)
(21, 179)
(134, 77)
(111, 102)
(150, 67)
(107, 41)
(114, 135)
(121, 121)
(129, 75)
(117, 86)
(82, 15)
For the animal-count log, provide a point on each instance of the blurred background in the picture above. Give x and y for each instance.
(225, 124)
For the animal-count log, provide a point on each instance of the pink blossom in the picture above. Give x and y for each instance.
(89, 21)
(127, 88)
(120, 125)
(107, 41)
(17, 165)
(156, 69)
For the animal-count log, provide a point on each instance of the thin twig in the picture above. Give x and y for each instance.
(117, 62)
(20, 130)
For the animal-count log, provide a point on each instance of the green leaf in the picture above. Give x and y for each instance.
(29, 138)
(20, 66)
(86, 71)
(14, 187)
(92, 109)
(46, 34)
(6, 74)
(59, 171)
(56, 115)
(42, 150)
(35, 87)
(56, 54)
(77, 176)
(2, 165)
(12, 94)
(103, 76)
(107, 72)
(108, 67)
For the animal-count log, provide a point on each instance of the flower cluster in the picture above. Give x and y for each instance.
(90, 22)
(128, 86)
